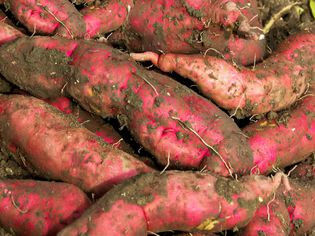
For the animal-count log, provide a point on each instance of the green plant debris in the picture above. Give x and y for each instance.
(312, 7)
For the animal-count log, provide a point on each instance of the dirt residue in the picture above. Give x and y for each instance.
(9, 169)
(4, 233)
(17, 60)
(296, 19)
(5, 86)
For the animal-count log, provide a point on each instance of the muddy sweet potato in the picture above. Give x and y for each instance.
(299, 203)
(227, 27)
(30, 65)
(290, 213)
(270, 219)
(175, 201)
(283, 142)
(39, 208)
(48, 17)
(56, 146)
(175, 124)
(8, 33)
(272, 85)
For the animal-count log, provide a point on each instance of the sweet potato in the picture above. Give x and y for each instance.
(182, 26)
(98, 126)
(28, 64)
(270, 219)
(8, 33)
(92, 123)
(56, 146)
(272, 85)
(291, 212)
(175, 124)
(282, 144)
(48, 17)
(39, 208)
(106, 17)
(175, 201)
(299, 201)
(172, 122)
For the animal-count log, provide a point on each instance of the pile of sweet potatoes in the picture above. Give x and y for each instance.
(77, 108)
(228, 27)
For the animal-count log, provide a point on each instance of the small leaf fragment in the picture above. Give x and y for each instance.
(312, 6)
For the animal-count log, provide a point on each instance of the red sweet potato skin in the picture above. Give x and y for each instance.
(299, 203)
(194, 26)
(274, 84)
(166, 118)
(39, 208)
(105, 17)
(277, 224)
(58, 147)
(153, 203)
(91, 122)
(188, 29)
(290, 213)
(8, 33)
(26, 63)
(281, 145)
(46, 17)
